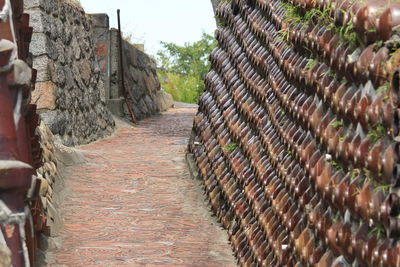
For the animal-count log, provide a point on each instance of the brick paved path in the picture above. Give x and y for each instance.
(134, 203)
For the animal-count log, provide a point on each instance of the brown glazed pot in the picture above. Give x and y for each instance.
(389, 19)
(361, 68)
(331, 237)
(326, 260)
(377, 68)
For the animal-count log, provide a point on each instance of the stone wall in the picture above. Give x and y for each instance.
(51, 184)
(141, 82)
(49, 193)
(101, 39)
(69, 87)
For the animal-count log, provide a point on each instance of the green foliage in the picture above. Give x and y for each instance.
(379, 231)
(331, 73)
(311, 63)
(384, 90)
(317, 15)
(183, 88)
(221, 23)
(384, 188)
(355, 173)
(337, 217)
(336, 166)
(291, 14)
(283, 35)
(183, 68)
(376, 132)
(336, 124)
(322, 17)
(230, 147)
(348, 34)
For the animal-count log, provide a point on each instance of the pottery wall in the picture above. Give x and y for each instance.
(20, 152)
(296, 138)
(215, 4)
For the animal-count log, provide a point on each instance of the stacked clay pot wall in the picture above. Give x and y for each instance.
(21, 216)
(296, 138)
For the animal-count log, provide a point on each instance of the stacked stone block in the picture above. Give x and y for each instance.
(69, 86)
(141, 80)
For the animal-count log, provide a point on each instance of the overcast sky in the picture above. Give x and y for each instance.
(152, 21)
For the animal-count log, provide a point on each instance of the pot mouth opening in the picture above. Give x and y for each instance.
(395, 87)
(396, 123)
(395, 176)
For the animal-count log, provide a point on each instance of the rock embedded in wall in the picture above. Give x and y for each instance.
(164, 100)
(51, 184)
(50, 193)
(50, 178)
(69, 87)
(5, 256)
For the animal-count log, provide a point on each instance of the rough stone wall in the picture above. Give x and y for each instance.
(51, 184)
(141, 80)
(297, 135)
(69, 87)
(101, 39)
(50, 192)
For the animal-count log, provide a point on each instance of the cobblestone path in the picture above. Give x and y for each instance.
(134, 204)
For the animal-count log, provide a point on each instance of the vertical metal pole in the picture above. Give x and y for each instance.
(125, 93)
(108, 93)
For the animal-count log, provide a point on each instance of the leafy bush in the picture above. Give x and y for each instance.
(182, 68)
(183, 88)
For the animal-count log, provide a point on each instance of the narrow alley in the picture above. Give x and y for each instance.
(294, 144)
(133, 202)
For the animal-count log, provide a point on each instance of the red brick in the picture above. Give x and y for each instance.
(134, 203)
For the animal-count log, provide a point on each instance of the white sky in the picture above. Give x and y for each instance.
(152, 21)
